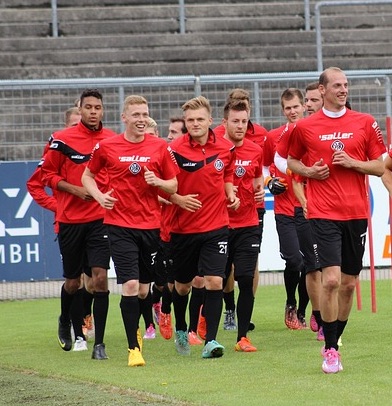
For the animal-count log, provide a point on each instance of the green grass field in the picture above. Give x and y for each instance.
(285, 371)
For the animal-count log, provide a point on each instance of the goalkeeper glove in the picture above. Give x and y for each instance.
(276, 186)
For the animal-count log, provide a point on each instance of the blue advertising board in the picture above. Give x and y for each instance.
(28, 246)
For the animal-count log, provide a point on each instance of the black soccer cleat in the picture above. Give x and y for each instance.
(64, 336)
(99, 352)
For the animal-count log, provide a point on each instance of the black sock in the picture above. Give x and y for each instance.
(180, 304)
(130, 313)
(303, 297)
(145, 306)
(291, 279)
(66, 302)
(341, 327)
(76, 312)
(195, 302)
(212, 310)
(167, 299)
(100, 311)
(87, 302)
(229, 300)
(330, 334)
(245, 304)
(317, 316)
(156, 294)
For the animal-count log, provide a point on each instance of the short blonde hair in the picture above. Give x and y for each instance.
(134, 99)
(69, 113)
(197, 103)
(153, 125)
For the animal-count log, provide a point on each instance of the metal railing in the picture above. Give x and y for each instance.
(181, 17)
(31, 109)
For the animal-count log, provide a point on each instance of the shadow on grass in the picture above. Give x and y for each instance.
(27, 388)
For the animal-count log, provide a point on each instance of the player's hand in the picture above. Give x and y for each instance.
(150, 177)
(81, 192)
(277, 186)
(234, 202)
(259, 194)
(187, 202)
(107, 201)
(319, 170)
(341, 158)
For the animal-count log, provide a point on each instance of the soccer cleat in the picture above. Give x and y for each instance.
(193, 339)
(229, 321)
(313, 323)
(139, 339)
(156, 307)
(99, 352)
(165, 326)
(331, 363)
(290, 317)
(181, 343)
(212, 350)
(135, 358)
(301, 322)
(150, 333)
(88, 327)
(64, 335)
(251, 326)
(245, 345)
(80, 344)
(320, 334)
(201, 325)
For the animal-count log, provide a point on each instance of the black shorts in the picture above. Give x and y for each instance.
(164, 268)
(290, 251)
(134, 253)
(83, 245)
(306, 241)
(203, 254)
(244, 244)
(340, 243)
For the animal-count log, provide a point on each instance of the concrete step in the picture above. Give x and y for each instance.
(201, 17)
(180, 54)
(150, 40)
(255, 65)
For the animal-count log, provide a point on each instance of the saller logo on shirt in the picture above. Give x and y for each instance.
(134, 158)
(337, 135)
(75, 156)
(192, 166)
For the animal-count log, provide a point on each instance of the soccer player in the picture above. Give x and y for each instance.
(257, 134)
(244, 233)
(138, 166)
(82, 235)
(200, 224)
(162, 310)
(280, 185)
(342, 147)
(313, 103)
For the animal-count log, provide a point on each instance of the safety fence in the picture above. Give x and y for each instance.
(30, 110)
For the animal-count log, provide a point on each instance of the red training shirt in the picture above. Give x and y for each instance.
(65, 160)
(248, 166)
(137, 206)
(343, 195)
(204, 169)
